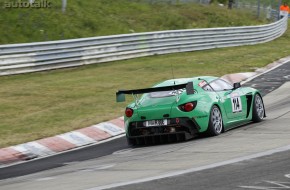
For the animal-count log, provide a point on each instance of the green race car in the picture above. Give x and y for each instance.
(179, 109)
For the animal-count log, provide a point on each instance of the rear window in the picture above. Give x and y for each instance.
(165, 93)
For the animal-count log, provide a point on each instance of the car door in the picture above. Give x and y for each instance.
(233, 100)
(238, 104)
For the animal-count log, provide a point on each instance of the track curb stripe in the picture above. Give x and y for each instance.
(237, 77)
(94, 133)
(63, 142)
(9, 155)
(76, 138)
(56, 144)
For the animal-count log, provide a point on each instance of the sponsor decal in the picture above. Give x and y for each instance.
(202, 84)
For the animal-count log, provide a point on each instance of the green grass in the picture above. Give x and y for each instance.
(87, 18)
(38, 105)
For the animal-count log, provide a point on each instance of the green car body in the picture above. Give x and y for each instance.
(168, 114)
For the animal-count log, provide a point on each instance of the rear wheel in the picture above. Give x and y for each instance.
(215, 125)
(258, 109)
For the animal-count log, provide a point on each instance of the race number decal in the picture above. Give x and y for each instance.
(236, 104)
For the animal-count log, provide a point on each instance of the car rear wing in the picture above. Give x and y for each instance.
(120, 95)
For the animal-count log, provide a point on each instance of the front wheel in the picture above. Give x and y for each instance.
(258, 109)
(215, 124)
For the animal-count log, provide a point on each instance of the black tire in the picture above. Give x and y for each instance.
(215, 124)
(258, 109)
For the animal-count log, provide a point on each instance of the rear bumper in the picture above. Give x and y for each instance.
(159, 138)
(179, 129)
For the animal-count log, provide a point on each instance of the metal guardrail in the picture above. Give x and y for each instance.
(32, 57)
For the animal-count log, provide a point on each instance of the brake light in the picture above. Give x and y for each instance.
(129, 112)
(188, 106)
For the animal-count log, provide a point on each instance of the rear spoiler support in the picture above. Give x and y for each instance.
(120, 95)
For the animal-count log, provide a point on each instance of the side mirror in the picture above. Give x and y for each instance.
(237, 85)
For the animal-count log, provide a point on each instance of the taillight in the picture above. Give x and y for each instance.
(129, 112)
(187, 107)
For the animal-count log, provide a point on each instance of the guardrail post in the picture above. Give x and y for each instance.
(278, 9)
(64, 3)
(258, 8)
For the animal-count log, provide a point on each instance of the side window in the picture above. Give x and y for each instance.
(207, 88)
(215, 85)
(220, 85)
(225, 85)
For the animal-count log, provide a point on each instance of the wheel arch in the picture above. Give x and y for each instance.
(212, 128)
(222, 111)
(257, 92)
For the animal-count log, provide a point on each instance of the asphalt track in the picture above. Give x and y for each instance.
(269, 172)
(271, 80)
(106, 168)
